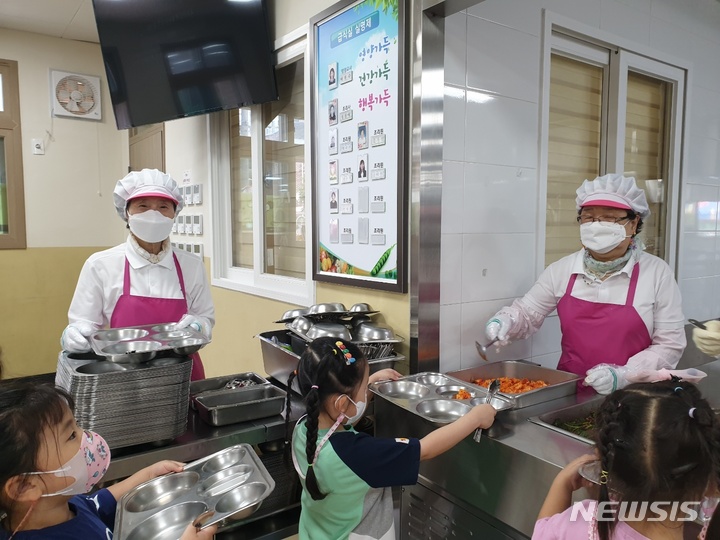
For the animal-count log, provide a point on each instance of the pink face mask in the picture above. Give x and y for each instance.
(87, 467)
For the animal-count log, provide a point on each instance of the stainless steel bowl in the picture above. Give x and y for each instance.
(173, 334)
(373, 332)
(293, 313)
(120, 334)
(326, 329)
(160, 491)
(168, 524)
(300, 325)
(359, 319)
(224, 460)
(131, 352)
(225, 480)
(403, 389)
(334, 307)
(96, 368)
(241, 501)
(186, 346)
(443, 410)
(361, 307)
(450, 390)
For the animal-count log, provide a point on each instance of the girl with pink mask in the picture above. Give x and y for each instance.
(48, 465)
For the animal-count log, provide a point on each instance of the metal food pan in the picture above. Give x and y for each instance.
(183, 341)
(224, 488)
(560, 383)
(222, 408)
(218, 383)
(428, 395)
(568, 413)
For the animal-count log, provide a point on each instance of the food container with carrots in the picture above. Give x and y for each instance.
(522, 382)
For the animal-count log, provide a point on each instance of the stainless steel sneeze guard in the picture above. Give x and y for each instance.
(232, 483)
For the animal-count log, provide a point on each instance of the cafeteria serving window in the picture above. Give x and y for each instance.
(610, 110)
(261, 244)
(12, 198)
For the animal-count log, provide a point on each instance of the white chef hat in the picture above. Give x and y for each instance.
(146, 183)
(615, 191)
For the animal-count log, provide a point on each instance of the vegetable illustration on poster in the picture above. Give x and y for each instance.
(357, 105)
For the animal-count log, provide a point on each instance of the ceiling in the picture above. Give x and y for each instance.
(68, 19)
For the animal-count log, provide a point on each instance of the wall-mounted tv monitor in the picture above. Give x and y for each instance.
(168, 59)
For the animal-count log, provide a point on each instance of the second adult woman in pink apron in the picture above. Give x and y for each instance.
(143, 281)
(619, 307)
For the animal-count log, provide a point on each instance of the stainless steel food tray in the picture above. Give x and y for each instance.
(158, 337)
(568, 413)
(430, 395)
(279, 360)
(232, 483)
(240, 405)
(219, 384)
(560, 383)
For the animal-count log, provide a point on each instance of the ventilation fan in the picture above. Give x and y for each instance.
(75, 96)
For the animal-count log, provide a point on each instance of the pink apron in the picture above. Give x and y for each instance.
(595, 333)
(139, 310)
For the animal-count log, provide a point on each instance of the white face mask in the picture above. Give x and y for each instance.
(150, 226)
(360, 410)
(602, 237)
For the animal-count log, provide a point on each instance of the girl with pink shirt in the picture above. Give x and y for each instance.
(659, 458)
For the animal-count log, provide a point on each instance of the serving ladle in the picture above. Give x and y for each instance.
(482, 349)
(493, 388)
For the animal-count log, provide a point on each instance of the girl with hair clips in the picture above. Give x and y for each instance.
(659, 458)
(346, 475)
(48, 464)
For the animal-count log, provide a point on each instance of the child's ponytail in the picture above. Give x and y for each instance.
(313, 412)
(606, 439)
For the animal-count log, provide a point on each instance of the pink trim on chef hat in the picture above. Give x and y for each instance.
(146, 183)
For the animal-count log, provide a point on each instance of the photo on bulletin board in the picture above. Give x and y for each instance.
(357, 97)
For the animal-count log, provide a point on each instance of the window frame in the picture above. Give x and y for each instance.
(288, 49)
(559, 37)
(10, 130)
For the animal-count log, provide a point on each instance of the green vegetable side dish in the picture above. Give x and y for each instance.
(584, 427)
(381, 261)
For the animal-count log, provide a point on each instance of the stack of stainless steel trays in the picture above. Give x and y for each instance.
(559, 383)
(236, 398)
(223, 488)
(128, 404)
(430, 395)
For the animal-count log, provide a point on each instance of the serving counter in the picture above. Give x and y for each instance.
(494, 488)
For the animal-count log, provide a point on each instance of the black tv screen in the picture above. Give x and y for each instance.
(168, 59)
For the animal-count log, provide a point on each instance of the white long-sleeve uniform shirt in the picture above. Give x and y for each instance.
(657, 301)
(101, 283)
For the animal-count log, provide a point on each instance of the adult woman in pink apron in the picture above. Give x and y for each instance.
(619, 307)
(143, 281)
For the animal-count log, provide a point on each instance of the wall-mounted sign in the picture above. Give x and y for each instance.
(359, 156)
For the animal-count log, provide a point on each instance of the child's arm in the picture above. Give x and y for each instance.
(559, 498)
(191, 533)
(384, 375)
(443, 439)
(143, 475)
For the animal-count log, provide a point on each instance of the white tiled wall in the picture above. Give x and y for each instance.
(492, 77)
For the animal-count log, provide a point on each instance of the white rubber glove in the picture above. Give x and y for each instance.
(498, 327)
(606, 378)
(708, 341)
(74, 337)
(200, 324)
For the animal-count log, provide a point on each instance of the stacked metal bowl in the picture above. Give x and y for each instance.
(128, 404)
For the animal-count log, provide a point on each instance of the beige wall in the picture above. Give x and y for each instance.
(287, 15)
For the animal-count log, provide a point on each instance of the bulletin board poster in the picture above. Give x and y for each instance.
(359, 192)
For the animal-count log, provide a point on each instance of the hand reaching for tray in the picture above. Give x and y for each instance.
(384, 375)
(191, 533)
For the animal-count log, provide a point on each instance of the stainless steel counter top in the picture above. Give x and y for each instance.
(505, 477)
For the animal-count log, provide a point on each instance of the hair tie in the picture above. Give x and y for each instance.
(310, 465)
(314, 387)
(346, 353)
(691, 412)
(678, 388)
(603, 478)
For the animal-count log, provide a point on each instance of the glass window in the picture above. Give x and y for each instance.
(284, 176)
(242, 188)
